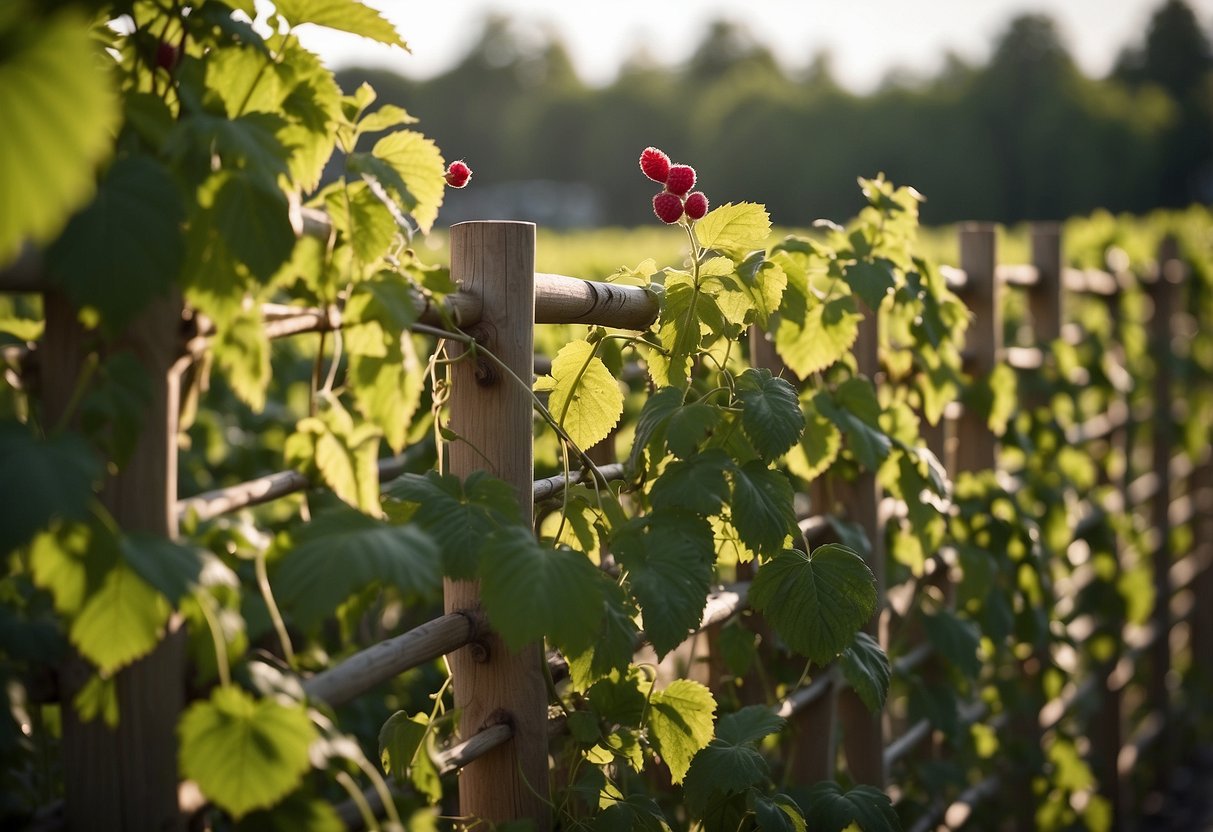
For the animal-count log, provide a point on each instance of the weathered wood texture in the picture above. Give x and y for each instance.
(491, 413)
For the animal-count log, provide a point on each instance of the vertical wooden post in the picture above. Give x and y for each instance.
(126, 778)
(491, 413)
(1046, 300)
(1162, 293)
(815, 751)
(975, 445)
(863, 732)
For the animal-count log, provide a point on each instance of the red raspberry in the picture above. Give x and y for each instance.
(458, 174)
(667, 207)
(680, 180)
(697, 205)
(655, 164)
(166, 56)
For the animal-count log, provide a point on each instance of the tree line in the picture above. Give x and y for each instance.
(1026, 135)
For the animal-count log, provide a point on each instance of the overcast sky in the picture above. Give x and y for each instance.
(866, 37)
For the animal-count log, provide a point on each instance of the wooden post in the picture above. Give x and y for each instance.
(1046, 300)
(1162, 293)
(126, 778)
(863, 731)
(975, 445)
(492, 415)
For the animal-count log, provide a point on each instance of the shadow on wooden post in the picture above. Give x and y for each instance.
(126, 778)
(492, 415)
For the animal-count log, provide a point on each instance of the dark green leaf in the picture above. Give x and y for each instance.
(171, 567)
(530, 591)
(778, 814)
(112, 413)
(872, 281)
(341, 551)
(698, 484)
(615, 645)
(762, 510)
(855, 409)
(126, 246)
(251, 215)
(689, 426)
(771, 414)
(956, 640)
(652, 423)
(669, 557)
(816, 602)
(866, 668)
(41, 480)
(830, 809)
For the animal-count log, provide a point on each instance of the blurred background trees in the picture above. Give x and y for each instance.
(1025, 136)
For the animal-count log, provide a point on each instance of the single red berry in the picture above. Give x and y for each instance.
(697, 205)
(680, 180)
(166, 56)
(667, 207)
(655, 164)
(458, 174)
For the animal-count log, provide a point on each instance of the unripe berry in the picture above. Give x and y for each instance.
(166, 56)
(655, 164)
(680, 180)
(697, 205)
(667, 207)
(458, 174)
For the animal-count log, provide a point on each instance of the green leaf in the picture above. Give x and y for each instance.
(458, 516)
(70, 561)
(653, 422)
(744, 226)
(122, 621)
(698, 484)
(771, 416)
(346, 455)
(680, 723)
(764, 282)
(812, 335)
(170, 567)
(60, 116)
(242, 352)
(585, 398)
(113, 411)
(956, 640)
(689, 426)
(344, 15)
(126, 246)
(738, 647)
(871, 280)
(762, 507)
(251, 215)
(731, 763)
(419, 164)
(853, 407)
(867, 670)
(819, 444)
(366, 223)
(226, 737)
(620, 697)
(42, 480)
(669, 557)
(98, 698)
(296, 812)
(530, 591)
(777, 814)
(614, 646)
(830, 809)
(686, 314)
(341, 551)
(817, 603)
(403, 755)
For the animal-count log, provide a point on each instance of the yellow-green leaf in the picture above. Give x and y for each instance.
(585, 400)
(743, 226)
(680, 723)
(121, 622)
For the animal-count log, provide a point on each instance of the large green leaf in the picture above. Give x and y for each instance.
(120, 622)
(70, 561)
(459, 516)
(403, 755)
(680, 723)
(764, 282)
(954, 639)
(743, 227)
(762, 508)
(816, 602)
(345, 454)
(419, 164)
(871, 280)
(530, 591)
(41, 480)
(866, 668)
(172, 568)
(771, 416)
(830, 809)
(853, 407)
(344, 15)
(585, 398)
(244, 753)
(697, 484)
(686, 314)
(653, 422)
(60, 112)
(813, 334)
(731, 763)
(343, 550)
(251, 215)
(126, 246)
(614, 646)
(669, 557)
(819, 444)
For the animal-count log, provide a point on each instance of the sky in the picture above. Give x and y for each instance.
(867, 38)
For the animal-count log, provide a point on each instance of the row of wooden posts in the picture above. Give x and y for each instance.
(127, 777)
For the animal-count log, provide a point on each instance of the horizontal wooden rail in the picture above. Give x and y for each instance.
(552, 486)
(569, 300)
(362, 671)
(801, 698)
(1023, 275)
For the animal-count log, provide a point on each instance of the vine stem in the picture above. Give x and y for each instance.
(263, 583)
(355, 793)
(205, 603)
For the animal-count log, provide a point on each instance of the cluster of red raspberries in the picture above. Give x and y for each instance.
(674, 201)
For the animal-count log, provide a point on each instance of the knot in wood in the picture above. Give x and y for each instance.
(485, 334)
